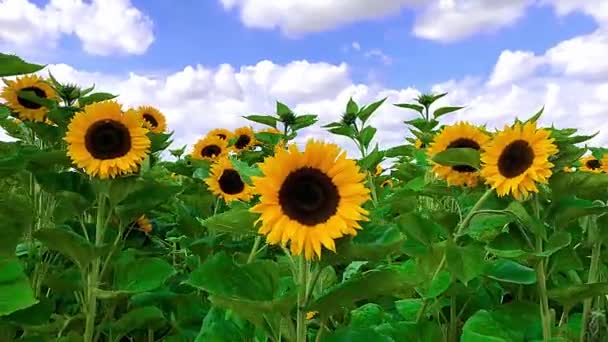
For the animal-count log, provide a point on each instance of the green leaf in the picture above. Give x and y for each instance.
(15, 290)
(347, 334)
(37, 314)
(142, 275)
(458, 157)
(485, 227)
(418, 228)
(245, 170)
(303, 121)
(263, 119)
(586, 185)
(32, 97)
(413, 106)
(75, 182)
(465, 263)
(371, 160)
(139, 318)
(159, 141)
(408, 308)
(577, 293)
(69, 244)
(351, 107)
(234, 221)
(444, 110)
(268, 138)
(536, 116)
(150, 194)
(512, 322)
(217, 327)
(364, 286)
(95, 97)
(368, 315)
(398, 151)
(367, 111)
(509, 271)
(367, 134)
(16, 217)
(346, 131)
(570, 208)
(437, 287)
(423, 125)
(556, 242)
(282, 109)
(11, 65)
(505, 246)
(530, 223)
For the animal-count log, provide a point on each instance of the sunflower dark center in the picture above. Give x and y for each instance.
(464, 143)
(29, 104)
(108, 139)
(221, 136)
(151, 120)
(593, 164)
(231, 182)
(516, 158)
(211, 151)
(309, 196)
(242, 141)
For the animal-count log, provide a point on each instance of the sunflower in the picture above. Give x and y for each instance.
(227, 183)
(210, 148)
(460, 135)
(568, 169)
(419, 144)
(386, 183)
(311, 314)
(270, 130)
(516, 158)
(152, 119)
(379, 170)
(106, 142)
(27, 110)
(310, 198)
(591, 164)
(244, 139)
(221, 133)
(143, 224)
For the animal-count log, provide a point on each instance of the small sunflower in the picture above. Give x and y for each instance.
(271, 130)
(568, 169)
(517, 158)
(152, 119)
(210, 148)
(310, 198)
(244, 139)
(106, 142)
(387, 183)
(419, 144)
(379, 170)
(311, 314)
(460, 135)
(27, 110)
(221, 133)
(227, 183)
(591, 164)
(143, 224)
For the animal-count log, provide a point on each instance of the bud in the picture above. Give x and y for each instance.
(349, 118)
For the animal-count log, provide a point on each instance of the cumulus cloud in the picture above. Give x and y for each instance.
(513, 66)
(103, 27)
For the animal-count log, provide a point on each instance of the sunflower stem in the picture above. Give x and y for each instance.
(302, 284)
(254, 249)
(93, 276)
(545, 313)
(596, 247)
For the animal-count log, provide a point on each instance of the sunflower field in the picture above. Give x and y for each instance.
(471, 234)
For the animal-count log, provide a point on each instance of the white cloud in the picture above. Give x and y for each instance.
(104, 27)
(513, 66)
(597, 9)
(356, 46)
(377, 53)
(584, 56)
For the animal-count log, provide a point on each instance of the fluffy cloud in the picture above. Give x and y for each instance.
(513, 66)
(25, 26)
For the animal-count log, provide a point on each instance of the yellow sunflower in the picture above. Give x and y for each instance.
(244, 139)
(568, 169)
(419, 144)
(27, 110)
(379, 170)
(221, 133)
(460, 135)
(386, 183)
(591, 164)
(143, 224)
(226, 182)
(210, 148)
(106, 142)
(152, 119)
(517, 158)
(310, 198)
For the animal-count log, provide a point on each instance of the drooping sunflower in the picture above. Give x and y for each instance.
(152, 119)
(106, 142)
(210, 148)
(419, 144)
(226, 182)
(26, 109)
(517, 158)
(244, 139)
(143, 224)
(221, 133)
(310, 198)
(591, 164)
(460, 135)
(379, 170)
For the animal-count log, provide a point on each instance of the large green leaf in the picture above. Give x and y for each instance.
(139, 318)
(585, 185)
(141, 275)
(366, 112)
(263, 119)
(150, 195)
(528, 221)
(11, 65)
(460, 156)
(16, 217)
(509, 271)
(367, 134)
(511, 322)
(303, 121)
(66, 181)
(69, 244)
(95, 97)
(577, 293)
(465, 263)
(570, 208)
(217, 327)
(445, 110)
(418, 228)
(15, 290)
(235, 221)
(356, 334)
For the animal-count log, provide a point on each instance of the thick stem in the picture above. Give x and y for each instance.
(453, 329)
(93, 276)
(254, 249)
(301, 315)
(596, 247)
(545, 313)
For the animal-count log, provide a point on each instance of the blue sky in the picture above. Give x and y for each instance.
(202, 32)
